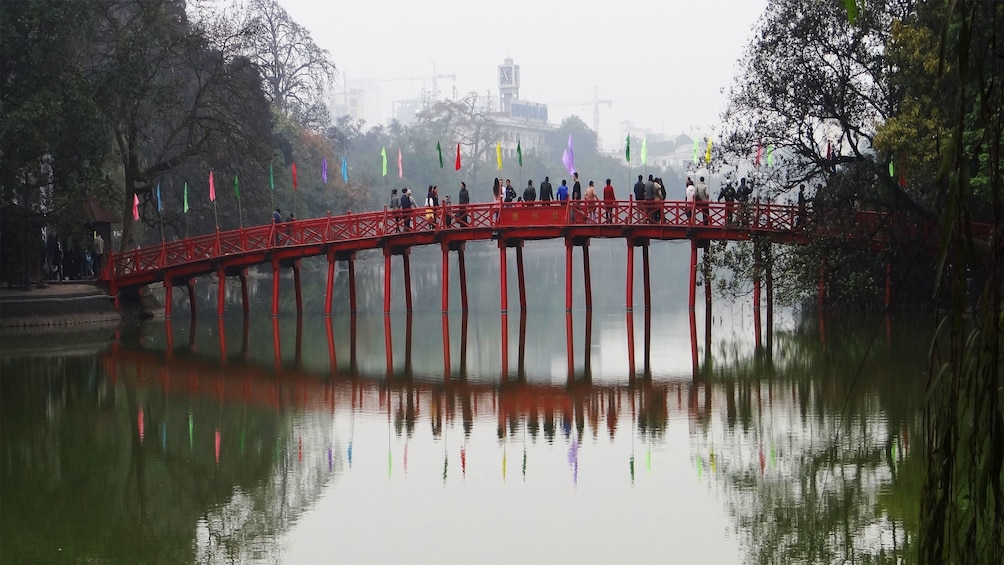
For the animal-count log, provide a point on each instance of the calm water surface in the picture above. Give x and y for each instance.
(306, 440)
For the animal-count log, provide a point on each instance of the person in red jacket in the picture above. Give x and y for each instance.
(608, 200)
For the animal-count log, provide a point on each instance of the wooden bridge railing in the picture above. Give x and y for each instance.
(666, 218)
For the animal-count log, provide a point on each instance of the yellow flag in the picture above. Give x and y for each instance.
(498, 153)
(707, 156)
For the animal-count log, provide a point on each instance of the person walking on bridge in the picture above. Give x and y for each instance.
(463, 199)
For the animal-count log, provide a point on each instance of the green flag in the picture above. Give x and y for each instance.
(237, 189)
(439, 149)
(519, 152)
(383, 156)
(271, 179)
(627, 150)
(892, 170)
(186, 197)
(644, 150)
(770, 155)
(695, 157)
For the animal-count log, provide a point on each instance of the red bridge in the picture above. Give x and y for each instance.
(230, 253)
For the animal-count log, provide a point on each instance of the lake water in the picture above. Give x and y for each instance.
(304, 440)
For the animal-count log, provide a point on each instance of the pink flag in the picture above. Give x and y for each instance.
(400, 167)
(212, 188)
(135, 207)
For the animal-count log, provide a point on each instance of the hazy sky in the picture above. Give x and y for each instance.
(663, 63)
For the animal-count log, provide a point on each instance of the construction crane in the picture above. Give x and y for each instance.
(596, 108)
(433, 77)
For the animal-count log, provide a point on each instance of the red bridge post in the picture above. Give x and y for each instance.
(386, 284)
(585, 275)
(406, 255)
(756, 295)
(519, 275)
(275, 287)
(503, 280)
(168, 288)
(568, 274)
(191, 297)
(629, 293)
(463, 278)
(221, 294)
(646, 284)
(296, 283)
(244, 291)
(352, 282)
(445, 286)
(329, 288)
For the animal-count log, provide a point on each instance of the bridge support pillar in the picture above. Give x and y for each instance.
(275, 288)
(406, 255)
(168, 295)
(191, 297)
(221, 293)
(463, 279)
(629, 292)
(296, 284)
(386, 285)
(646, 279)
(585, 275)
(330, 287)
(445, 286)
(244, 291)
(769, 276)
(503, 280)
(568, 275)
(693, 275)
(519, 275)
(756, 296)
(352, 283)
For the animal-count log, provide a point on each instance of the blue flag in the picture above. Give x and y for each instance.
(345, 170)
(160, 205)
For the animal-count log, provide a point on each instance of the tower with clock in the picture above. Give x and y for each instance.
(508, 84)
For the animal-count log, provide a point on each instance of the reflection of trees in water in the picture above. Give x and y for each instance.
(813, 459)
(116, 469)
(246, 527)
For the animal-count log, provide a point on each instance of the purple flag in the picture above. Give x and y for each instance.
(324, 170)
(568, 157)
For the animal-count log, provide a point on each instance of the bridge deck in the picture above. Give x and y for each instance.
(393, 231)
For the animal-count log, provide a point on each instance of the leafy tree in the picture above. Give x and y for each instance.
(51, 147)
